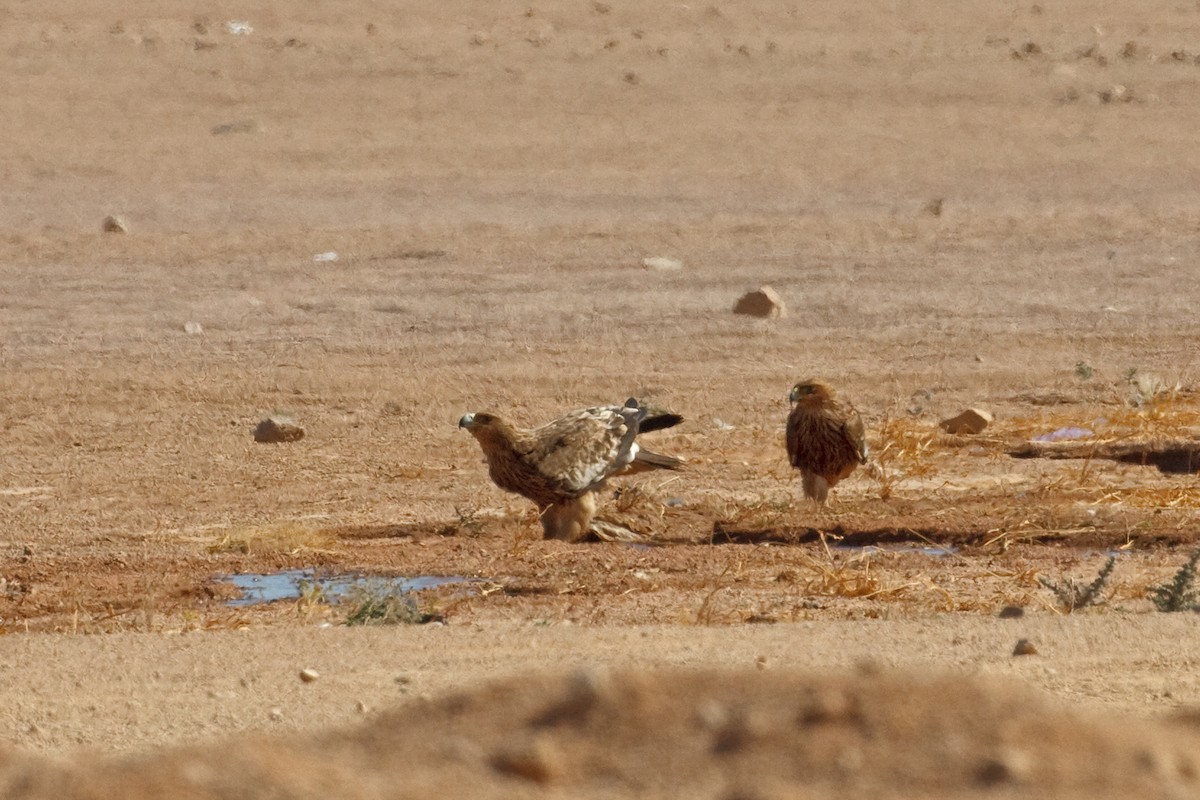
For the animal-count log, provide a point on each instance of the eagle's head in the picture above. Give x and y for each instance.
(486, 427)
(473, 421)
(810, 392)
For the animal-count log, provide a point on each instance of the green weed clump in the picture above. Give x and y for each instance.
(1179, 594)
(384, 604)
(1072, 595)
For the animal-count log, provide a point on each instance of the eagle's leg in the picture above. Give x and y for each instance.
(549, 517)
(815, 487)
(570, 521)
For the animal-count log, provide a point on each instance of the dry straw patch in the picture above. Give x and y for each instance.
(286, 537)
(1168, 417)
(906, 449)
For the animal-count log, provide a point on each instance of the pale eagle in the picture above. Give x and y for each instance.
(561, 465)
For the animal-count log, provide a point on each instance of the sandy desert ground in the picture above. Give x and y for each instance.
(373, 220)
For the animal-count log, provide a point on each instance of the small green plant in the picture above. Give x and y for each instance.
(1180, 594)
(380, 603)
(1131, 374)
(1084, 371)
(1072, 595)
(310, 595)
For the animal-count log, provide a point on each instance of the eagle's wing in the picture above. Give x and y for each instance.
(855, 433)
(795, 446)
(581, 449)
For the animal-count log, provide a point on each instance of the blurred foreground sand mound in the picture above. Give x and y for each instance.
(743, 734)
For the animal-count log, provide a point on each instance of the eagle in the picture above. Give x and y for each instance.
(561, 465)
(825, 438)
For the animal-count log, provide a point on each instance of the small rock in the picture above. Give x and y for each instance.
(329, 256)
(763, 302)
(662, 264)
(1012, 612)
(113, 224)
(361, 707)
(934, 207)
(538, 761)
(276, 714)
(309, 675)
(479, 38)
(1024, 647)
(278, 429)
(240, 126)
(973, 420)
(1117, 94)
(1006, 767)
(193, 328)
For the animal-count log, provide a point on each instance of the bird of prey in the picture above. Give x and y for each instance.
(561, 465)
(825, 438)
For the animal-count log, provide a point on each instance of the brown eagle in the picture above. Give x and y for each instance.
(825, 438)
(562, 464)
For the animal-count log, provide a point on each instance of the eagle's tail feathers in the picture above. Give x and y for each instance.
(646, 460)
(659, 422)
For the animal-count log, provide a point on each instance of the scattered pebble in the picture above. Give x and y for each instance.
(1007, 766)
(325, 257)
(762, 302)
(538, 761)
(309, 675)
(1024, 647)
(1012, 612)
(239, 27)
(193, 328)
(662, 264)
(361, 707)
(276, 714)
(114, 224)
(278, 429)
(238, 126)
(973, 420)
(934, 207)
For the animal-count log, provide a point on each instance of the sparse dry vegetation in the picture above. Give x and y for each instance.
(1073, 596)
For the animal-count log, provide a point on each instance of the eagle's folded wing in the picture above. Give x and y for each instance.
(583, 448)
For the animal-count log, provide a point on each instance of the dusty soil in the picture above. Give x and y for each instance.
(372, 221)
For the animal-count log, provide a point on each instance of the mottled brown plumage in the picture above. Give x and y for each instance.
(560, 465)
(825, 438)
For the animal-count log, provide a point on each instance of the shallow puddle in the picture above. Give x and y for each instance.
(936, 551)
(289, 584)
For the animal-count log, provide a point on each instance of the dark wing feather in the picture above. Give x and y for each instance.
(854, 433)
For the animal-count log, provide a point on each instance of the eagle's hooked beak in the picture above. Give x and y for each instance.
(467, 421)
